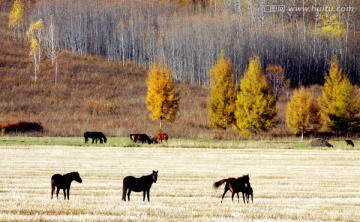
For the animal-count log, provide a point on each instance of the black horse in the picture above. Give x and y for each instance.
(63, 182)
(143, 183)
(235, 185)
(95, 136)
(349, 142)
(141, 137)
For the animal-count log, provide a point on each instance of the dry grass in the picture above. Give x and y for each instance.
(289, 185)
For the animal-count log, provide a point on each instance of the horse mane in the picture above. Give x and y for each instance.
(71, 173)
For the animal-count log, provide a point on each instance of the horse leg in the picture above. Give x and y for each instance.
(68, 193)
(64, 194)
(148, 195)
(57, 192)
(232, 196)
(128, 194)
(144, 193)
(52, 190)
(238, 197)
(243, 197)
(224, 194)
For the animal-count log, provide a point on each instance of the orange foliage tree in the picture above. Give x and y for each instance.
(221, 105)
(162, 99)
(303, 112)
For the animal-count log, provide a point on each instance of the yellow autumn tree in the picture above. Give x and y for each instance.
(340, 104)
(302, 113)
(221, 105)
(34, 34)
(34, 52)
(255, 104)
(17, 16)
(162, 99)
(330, 26)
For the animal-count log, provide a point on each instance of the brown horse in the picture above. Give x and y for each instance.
(235, 185)
(160, 137)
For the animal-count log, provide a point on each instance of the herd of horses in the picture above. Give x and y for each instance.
(143, 138)
(135, 137)
(144, 183)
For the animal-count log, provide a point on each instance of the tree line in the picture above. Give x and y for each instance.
(251, 108)
(189, 39)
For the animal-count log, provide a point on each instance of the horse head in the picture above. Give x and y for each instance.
(77, 177)
(154, 140)
(154, 176)
(246, 179)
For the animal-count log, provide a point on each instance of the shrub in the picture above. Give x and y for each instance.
(110, 107)
(22, 127)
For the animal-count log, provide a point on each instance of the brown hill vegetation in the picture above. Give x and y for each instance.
(94, 94)
(85, 85)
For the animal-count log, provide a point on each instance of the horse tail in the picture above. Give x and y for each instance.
(52, 186)
(124, 191)
(219, 183)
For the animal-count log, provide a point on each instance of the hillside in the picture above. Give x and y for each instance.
(96, 94)
(64, 109)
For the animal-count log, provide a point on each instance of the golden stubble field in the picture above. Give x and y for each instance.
(289, 185)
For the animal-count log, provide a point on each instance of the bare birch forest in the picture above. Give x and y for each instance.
(189, 39)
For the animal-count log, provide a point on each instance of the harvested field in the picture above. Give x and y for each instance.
(289, 185)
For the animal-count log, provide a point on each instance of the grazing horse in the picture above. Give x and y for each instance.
(161, 137)
(349, 142)
(63, 182)
(140, 137)
(234, 185)
(95, 136)
(143, 183)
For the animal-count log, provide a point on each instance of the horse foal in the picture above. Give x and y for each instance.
(249, 192)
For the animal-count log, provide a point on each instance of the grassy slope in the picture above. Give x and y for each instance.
(62, 109)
